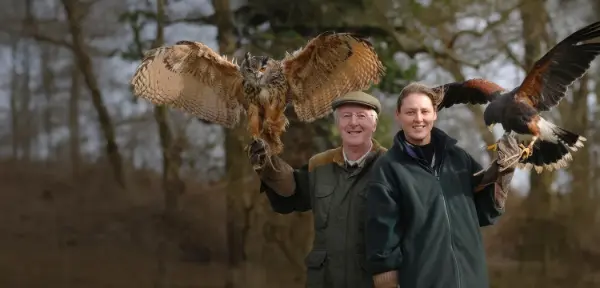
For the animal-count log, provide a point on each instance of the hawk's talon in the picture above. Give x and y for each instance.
(493, 147)
(526, 151)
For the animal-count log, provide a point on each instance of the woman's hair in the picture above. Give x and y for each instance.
(419, 88)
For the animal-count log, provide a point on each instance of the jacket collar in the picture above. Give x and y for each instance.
(440, 139)
(338, 156)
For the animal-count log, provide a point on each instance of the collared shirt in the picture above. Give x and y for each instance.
(358, 162)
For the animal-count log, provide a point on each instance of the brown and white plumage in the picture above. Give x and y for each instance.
(193, 78)
(329, 66)
(542, 89)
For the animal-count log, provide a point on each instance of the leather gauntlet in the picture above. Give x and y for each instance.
(276, 174)
(501, 170)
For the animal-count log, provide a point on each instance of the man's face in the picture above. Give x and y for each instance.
(416, 117)
(356, 124)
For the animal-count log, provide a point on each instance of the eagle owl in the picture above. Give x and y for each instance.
(195, 79)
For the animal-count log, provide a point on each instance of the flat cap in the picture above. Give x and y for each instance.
(360, 98)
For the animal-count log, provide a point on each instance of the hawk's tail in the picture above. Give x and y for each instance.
(553, 155)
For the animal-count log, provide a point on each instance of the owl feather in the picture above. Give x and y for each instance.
(193, 78)
(330, 66)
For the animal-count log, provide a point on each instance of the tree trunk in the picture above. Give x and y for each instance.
(171, 148)
(25, 92)
(74, 134)
(541, 199)
(49, 88)
(14, 103)
(85, 65)
(237, 167)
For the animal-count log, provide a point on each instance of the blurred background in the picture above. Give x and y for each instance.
(99, 189)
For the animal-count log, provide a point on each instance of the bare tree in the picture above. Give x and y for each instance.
(14, 102)
(171, 148)
(73, 122)
(236, 170)
(84, 62)
(49, 90)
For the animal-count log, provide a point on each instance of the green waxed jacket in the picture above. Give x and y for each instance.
(424, 222)
(336, 195)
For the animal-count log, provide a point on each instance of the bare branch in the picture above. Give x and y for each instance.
(43, 37)
(490, 26)
(513, 57)
(208, 20)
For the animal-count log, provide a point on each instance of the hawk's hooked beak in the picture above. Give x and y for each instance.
(491, 127)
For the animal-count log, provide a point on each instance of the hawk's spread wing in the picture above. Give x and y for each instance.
(472, 91)
(191, 77)
(330, 66)
(550, 77)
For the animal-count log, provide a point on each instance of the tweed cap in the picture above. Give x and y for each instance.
(358, 97)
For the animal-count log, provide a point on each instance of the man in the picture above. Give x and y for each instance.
(425, 206)
(332, 185)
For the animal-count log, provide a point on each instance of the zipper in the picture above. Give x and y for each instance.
(437, 176)
(436, 173)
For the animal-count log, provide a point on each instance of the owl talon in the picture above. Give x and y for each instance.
(257, 155)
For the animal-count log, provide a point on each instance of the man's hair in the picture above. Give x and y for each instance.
(420, 89)
(371, 111)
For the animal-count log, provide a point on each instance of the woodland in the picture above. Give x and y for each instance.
(100, 189)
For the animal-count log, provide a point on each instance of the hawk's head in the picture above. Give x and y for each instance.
(253, 68)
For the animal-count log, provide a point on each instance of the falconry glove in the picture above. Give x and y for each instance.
(501, 170)
(276, 174)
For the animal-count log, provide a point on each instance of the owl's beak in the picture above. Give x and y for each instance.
(491, 127)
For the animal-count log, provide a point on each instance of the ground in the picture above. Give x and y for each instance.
(87, 233)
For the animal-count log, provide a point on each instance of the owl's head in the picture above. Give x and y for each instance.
(253, 68)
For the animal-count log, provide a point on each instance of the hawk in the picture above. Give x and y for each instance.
(518, 110)
(195, 79)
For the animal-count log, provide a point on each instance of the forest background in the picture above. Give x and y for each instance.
(100, 189)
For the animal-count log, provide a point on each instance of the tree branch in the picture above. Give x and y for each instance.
(491, 25)
(42, 37)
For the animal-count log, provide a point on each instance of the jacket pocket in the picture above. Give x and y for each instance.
(315, 269)
(323, 197)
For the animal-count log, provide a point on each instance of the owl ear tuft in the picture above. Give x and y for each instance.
(247, 56)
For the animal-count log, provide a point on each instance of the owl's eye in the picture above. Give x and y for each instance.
(262, 69)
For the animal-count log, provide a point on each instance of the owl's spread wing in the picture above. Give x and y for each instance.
(472, 91)
(547, 82)
(193, 78)
(331, 65)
